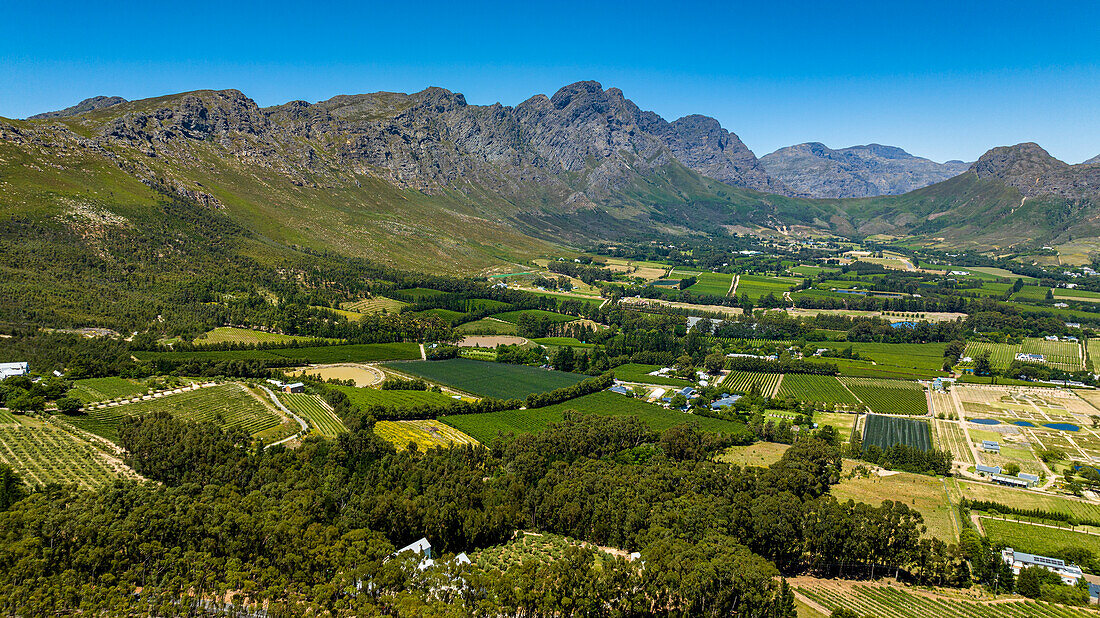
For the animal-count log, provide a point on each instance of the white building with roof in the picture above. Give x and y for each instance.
(8, 370)
(1019, 560)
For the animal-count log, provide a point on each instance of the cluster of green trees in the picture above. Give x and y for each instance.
(903, 457)
(27, 394)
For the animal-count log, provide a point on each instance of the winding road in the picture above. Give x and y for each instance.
(304, 425)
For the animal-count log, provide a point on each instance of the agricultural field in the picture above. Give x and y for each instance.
(886, 431)
(226, 405)
(497, 380)
(744, 382)
(327, 354)
(949, 436)
(759, 454)
(366, 398)
(1042, 540)
(513, 316)
(228, 334)
(359, 375)
(926, 494)
(866, 369)
(1024, 499)
(1034, 417)
(562, 342)
(43, 453)
(922, 357)
(889, 396)
(873, 599)
(484, 427)
(486, 326)
(1064, 355)
(1081, 296)
(755, 286)
(1031, 292)
(312, 408)
(418, 294)
(351, 316)
(444, 314)
(634, 372)
(375, 304)
(823, 389)
(713, 284)
(425, 434)
(102, 389)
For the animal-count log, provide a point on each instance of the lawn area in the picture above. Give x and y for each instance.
(513, 316)
(1037, 539)
(498, 380)
(926, 494)
(634, 372)
(366, 398)
(759, 454)
(484, 427)
(103, 389)
(486, 326)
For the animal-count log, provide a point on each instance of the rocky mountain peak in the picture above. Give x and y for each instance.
(1026, 160)
(1092, 161)
(87, 105)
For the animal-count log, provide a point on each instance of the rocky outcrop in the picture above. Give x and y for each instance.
(1032, 170)
(815, 170)
(1092, 161)
(86, 105)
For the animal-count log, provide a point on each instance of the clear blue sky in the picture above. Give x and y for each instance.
(941, 79)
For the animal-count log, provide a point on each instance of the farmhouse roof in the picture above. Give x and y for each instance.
(988, 469)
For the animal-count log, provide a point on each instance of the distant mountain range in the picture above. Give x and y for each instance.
(427, 181)
(815, 170)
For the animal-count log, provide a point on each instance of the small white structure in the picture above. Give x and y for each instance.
(8, 370)
(1018, 560)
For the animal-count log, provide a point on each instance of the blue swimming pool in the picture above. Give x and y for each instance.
(1062, 426)
(985, 421)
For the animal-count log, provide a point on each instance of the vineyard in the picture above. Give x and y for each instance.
(366, 398)
(484, 427)
(498, 380)
(316, 411)
(1064, 355)
(227, 405)
(514, 316)
(889, 396)
(376, 304)
(1040, 540)
(713, 284)
(886, 431)
(45, 454)
(755, 286)
(744, 382)
(885, 600)
(823, 389)
(102, 389)
(425, 434)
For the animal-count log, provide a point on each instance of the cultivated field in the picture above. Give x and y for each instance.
(103, 389)
(1042, 540)
(823, 389)
(227, 405)
(425, 434)
(487, 326)
(316, 411)
(366, 398)
(889, 396)
(755, 286)
(513, 316)
(712, 284)
(744, 382)
(949, 436)
(926, 494)
(43, 453)
(1024, 499)
(633, 372)
(228, 334)
(491, 341)
(1064, 355)
(484, 427)
(362, 376)
(886, 431)
(498, 380)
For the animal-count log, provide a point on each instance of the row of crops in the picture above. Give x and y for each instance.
(1064, 355)
(889, 396)
(822, 389)
(766, 383)
(895, 602)
(314, 410)
(376, 304)
(425, 434)
(103, 389)
(886, 431)
(227, 405)
(43, 454)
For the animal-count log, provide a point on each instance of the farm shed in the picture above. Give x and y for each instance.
(988, 469)
(295, 387)
(8, 370)
(1032, 479)
(991, 446)
(728, 400)
(619, 389)
(1010, 481)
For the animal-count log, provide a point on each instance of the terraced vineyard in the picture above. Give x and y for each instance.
(316, 411)
(893, 601)
(744, 382)
(426, 434)
(226, 405)
(886, 431)
(376, 304)
(42, 454)
(103, 389)
(889, 396)
(824, 389)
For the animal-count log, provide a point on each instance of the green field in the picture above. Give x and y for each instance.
(444, 314)
(925, 357)
(226, 405)
(562, 342)
(424, 433)
(1037, 539)
(759, 454)
(310, 407)
(486, 326)
(634, 372)
(714, 284)
(375, 304)
(351, 353)
(824, 389)
(103, 389)
(744, 381)
(484, 427)
(889, 396)
(926, 494)
(365, 398)
(418, 294)
(228, 334)
(43, 453)
(513, 316)
(497, 380)
(886, 431)
(755, 286)
(1025, 499)
(1064, 355)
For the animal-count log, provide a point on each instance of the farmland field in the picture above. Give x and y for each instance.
(487, 326)
(755, 286)
(633, 372)
(889, 396)
(513, 316)
(497, 380)
(228, 334)
(484, 427)
(316, 411)
(926, 357)
(1063, 355)
(350, 353)
(425, 433)
(226, 405)
(43, 453)
(866, 599)
(714, 284)
(823, 389)
(1025, 499)
(1037, 539)
(743, 382)
(926, 494)
(417, 294)
(563, 342)
(374, 304)
(102, 389)
(444, 314)
(886, 431)
(365, 398)
(759, 454)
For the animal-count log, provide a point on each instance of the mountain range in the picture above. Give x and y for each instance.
(427, 181)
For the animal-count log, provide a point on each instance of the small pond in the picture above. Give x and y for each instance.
(1062, 426)
(1024, 424)
(985, 421)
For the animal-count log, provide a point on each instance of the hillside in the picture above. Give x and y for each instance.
(815, 170)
